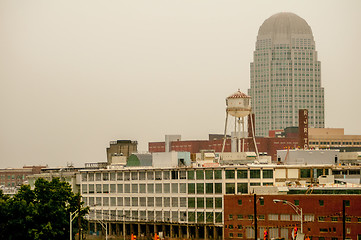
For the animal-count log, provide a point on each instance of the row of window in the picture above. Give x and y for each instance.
(190, 188)
(167, 216)
(182, 202)
(167, 175)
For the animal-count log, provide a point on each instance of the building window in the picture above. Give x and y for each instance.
(273, 217)
(334, 219)
(321, 202)
(229, 174)
(242, 174)
(239, 217)
(230, 188)
(305, 173)
(217, 174)
(267, 173)
(239, 201)
(255, 173)
(200, 174)
(209, 174)
(347, 203)
(191, 188)
(321, 219)
(297, 202)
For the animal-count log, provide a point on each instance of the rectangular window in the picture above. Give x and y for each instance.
(174, 187)
(267, 173)
(209, 188)
(218, 202)
(239, 201)
(150, 188)
(209, 202)
(191, 188)
(200, 202)
(273, 217)
(255, 173)
(200, 174)
(229, 174)
(209, 174)
(166, 188)
(191, 202)
(218, 188)
(321, 202)
(230, 188)
(190, 175)
(242, 187)
(305, 173)
(158, 188)
(200, 188)
(242, 174)
(217, 174)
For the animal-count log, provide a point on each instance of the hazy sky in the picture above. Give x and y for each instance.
(75, 75)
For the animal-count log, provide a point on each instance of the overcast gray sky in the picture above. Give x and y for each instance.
(75, 75)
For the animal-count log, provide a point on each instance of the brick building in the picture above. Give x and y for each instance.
(12, 177)
(322, 216)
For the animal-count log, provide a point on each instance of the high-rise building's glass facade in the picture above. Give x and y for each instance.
(285, 75)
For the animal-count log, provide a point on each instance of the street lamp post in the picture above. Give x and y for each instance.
(72, 216)
(298, 210)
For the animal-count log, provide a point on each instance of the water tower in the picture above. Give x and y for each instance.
(238, 106)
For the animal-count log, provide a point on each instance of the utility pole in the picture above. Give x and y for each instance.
(79, 218)
(255, 215)
(343, 220)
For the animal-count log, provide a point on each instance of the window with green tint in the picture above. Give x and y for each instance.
(217, 174)
(239, 201)
(218, 188)
(209, 188)
(230, 188)
(297, 202)
(209, 217)
(319, 172)
(191, 216)
(200, 217)
(347, 203)
(200, 174)
(191, 202)
(218, 202)
(200, 188)
(190, 175)
(261, 202)
(242, 174)
(209, 202)
(321, 202)
(255, 173)
(218, 217)
(229, 174)
(305, 173)
(242, 187)
(200, 202)
(267, 173)
(191, 188)
(209, 174)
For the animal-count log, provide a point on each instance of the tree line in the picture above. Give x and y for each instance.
(41, 213)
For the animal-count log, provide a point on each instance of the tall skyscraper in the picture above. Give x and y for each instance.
(285, 75)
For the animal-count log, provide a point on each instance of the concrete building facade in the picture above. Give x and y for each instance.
(285, 75)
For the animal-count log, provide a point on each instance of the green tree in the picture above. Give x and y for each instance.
(42, 213)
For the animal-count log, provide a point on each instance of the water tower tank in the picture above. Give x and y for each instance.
(239, 104)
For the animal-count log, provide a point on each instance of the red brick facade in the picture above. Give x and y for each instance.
(322, 216)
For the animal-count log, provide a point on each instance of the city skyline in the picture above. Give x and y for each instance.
(75, 76)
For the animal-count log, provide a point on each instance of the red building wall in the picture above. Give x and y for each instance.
(264, 145)
(326, 209)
